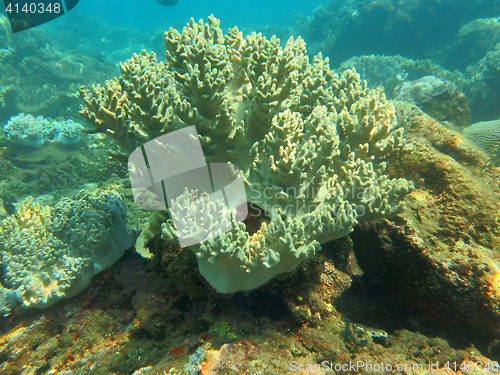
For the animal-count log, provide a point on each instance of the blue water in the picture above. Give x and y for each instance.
(148, 14)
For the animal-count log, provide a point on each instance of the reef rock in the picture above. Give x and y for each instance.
(439, 260)
(439, 98)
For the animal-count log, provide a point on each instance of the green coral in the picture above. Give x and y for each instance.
(312, 146)
(52, 253)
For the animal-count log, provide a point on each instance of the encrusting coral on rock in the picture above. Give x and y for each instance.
(437, 97)
(312, 146)
(486, 135)
(441, 255)
(52, 253)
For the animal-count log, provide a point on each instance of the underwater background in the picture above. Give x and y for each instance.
(314, 102)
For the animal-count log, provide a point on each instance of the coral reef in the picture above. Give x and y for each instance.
(489, 66)
(423, 90)
(313, 146)
(419, 289)
(474, 40)
(488, 70)
(342, 29)
(142, 323)
(393, 71)
(444, 249)
(52, 253)
(432, 268)
(30, 131)
(436, 97)
(465, 44)
(39, 77)
(57, 170)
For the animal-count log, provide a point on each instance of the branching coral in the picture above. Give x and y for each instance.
(312, 146)
(52, 253)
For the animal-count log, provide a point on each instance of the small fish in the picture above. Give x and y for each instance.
(8, 204)
(167, 3)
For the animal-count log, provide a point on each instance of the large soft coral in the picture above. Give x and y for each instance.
(312, 146)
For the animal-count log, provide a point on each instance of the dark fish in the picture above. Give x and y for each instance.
(167, 3)
(8, 204)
